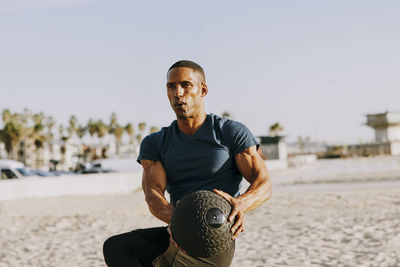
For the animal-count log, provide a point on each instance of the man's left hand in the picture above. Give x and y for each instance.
(237, 213)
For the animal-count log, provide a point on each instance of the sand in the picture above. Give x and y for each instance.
(304, 224)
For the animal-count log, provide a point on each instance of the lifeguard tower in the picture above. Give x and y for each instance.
(387, 130)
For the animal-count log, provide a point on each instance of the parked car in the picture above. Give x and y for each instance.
(42, 173)
(11, 169)
(94, 167)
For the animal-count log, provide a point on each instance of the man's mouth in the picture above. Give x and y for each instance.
(179, 104)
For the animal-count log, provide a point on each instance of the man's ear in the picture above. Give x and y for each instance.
(204, 89)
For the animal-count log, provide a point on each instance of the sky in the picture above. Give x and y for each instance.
(316, 67)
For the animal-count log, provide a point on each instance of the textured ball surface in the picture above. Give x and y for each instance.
(199, 224)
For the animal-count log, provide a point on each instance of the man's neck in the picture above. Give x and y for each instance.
(189, 126)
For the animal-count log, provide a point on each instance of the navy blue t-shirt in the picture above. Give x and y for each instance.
(202, 161)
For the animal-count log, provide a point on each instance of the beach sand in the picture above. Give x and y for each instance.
(352, 224)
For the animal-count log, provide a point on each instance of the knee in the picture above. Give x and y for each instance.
(110, 247)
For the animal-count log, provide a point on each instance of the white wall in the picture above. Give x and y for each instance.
(395, 148)
(393, 117)
(88, 184)
(394, 133)
(302, 160)
(282, 150)
(381, 135)
(276, 164)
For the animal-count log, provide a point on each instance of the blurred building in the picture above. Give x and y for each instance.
(387, 132)
(274, 148)
(387, 137)
(386, 126)
(306, 148)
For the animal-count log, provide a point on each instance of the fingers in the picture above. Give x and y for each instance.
(223, 194)
(170, 237)
(176, 245)
(236, 215)
(169, 230)
(173, 242)
(238, 226)
(230, 199)
(238, 231)
(234, 212)
(238, 222)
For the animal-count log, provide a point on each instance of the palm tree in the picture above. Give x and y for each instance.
(26, 115)
(14, 132)
(102, 130)
(131, 134)
(91, 126)
(275, 129)
(141, 127)
(92, 129)
(154, 129)
(5, 138)
(63, 148)
(80, 132)
(139, 138)
(8, 135)
(226, 114)
(63, 138)
(113, 122)
(73, 125)
(38, 136)
(118, 133)
(6, 115)
(49, 124)
(130, 131)
(27, 122)
(115, 129)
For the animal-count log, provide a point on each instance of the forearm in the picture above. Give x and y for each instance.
(154, 182)
(254, 170)
(256, 173)
(158, 205)
(258, 192)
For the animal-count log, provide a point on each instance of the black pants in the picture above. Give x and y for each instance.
(137, 248)
(140, 247)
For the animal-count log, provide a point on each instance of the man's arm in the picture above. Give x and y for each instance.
(254, 170)
(154, 183)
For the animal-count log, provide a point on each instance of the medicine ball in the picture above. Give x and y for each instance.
(199, 224)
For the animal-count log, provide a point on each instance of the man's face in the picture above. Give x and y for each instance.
(185, 92)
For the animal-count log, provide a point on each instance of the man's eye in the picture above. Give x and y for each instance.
(170, 86)
(186, 84)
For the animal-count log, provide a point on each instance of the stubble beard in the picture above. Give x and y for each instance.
(181, 113)
(182, 116)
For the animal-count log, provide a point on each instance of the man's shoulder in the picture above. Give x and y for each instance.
(152, 145)
(227, 125)
(234, 134)
(159, 135)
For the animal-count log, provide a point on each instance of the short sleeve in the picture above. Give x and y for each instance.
(150, 148)
(238, 137)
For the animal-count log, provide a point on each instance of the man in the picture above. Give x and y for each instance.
(197, 151)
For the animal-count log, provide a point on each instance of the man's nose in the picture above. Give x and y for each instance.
(179, 91)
